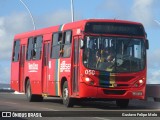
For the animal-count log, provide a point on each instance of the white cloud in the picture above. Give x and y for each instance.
(9, 26)
(115, 8)
(154, 67)
(59, 17)
(154, 58)
(18, 22)
(54, 18)
(142, 10)
(153, 76)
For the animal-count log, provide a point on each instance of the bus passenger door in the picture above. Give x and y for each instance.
(75, 67)
(45, 67)
(21, 69)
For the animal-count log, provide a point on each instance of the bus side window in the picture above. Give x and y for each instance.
(34, 48)
(15, 56)
(57, 42)
(67, 43)
(37, 47)
(29, 49)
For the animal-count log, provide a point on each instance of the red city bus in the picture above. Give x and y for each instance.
(95, 58)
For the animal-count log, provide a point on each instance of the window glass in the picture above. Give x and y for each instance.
(68, 37)
(29, 48)
(16, 51)
(56, 45)
(67, 50)
(37, 48)
(61, 44)
(34, 48)
(55, 39)
(55, 51)
(67, 45)
(114, 54)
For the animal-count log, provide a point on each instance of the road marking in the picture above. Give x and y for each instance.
(50, 109)
(100, 118)
(16, 92)
(10, 102)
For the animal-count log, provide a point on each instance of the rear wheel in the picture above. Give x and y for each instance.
(122, 103)
(67, 100)
(31, 97)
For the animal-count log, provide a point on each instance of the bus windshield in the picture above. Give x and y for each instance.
(114, 54)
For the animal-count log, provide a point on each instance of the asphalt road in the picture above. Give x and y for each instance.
(53, 106)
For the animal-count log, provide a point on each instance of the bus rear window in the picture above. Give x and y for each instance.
(114, 28)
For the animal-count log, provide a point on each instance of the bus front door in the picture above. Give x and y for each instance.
(75, 67)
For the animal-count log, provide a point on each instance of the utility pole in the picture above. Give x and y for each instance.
(72, 10)
(34, 27)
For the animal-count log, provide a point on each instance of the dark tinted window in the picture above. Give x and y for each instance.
(34, 48)
(67, 43)
(57, 42)
(114, 28)
(16, 50)
(29, 48)
(55, 39)
(67, 36)
(61, 44)
(37, 47)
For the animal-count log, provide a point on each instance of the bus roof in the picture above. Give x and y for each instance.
(71, 25)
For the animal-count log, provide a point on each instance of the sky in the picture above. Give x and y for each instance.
(14, 19)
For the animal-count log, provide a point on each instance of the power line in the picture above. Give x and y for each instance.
(158, 22)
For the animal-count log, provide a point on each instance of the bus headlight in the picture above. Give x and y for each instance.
(139, 83)
(88, 81)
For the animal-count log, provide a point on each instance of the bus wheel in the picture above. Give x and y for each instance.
(67, 101)
(122, 103)
(30, 96)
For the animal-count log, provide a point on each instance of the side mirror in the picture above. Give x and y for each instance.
(81, 44)
(147, 44)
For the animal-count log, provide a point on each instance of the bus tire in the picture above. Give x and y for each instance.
(31, 97)
(67, 100)
(122, 103)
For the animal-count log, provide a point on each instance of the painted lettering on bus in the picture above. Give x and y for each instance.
(64, 67)
(90, 72)
(33, 67)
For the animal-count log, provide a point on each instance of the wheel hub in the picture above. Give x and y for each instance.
(65, 93)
